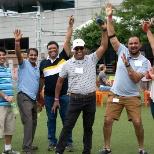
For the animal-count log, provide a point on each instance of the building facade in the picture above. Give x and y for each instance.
(51, 25)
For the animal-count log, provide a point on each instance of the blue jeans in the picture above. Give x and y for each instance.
(104, 88)
(51, 122)
(152, 107)
(88, 108)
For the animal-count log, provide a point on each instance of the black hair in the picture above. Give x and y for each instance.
(3, 50)
(135, 36)
(53, 42)
(34, 49)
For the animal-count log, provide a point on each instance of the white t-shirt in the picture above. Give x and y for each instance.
(144, 78)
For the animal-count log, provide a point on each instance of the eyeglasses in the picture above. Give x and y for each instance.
(78, 48)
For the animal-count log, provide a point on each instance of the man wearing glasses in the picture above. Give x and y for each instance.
(81, 73)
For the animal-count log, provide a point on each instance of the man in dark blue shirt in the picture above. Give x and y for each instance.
(49, 71)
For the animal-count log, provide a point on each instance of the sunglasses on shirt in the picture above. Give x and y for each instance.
(78, 48)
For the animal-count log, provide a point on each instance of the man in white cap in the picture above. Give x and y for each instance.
(81, 73)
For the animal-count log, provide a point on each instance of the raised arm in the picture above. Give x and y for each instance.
(110, 28)
(150, 36)
(104, 41)
(18, 36)
(68, 36)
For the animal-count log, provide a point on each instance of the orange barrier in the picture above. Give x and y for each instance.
(100, 97)
(146, 97)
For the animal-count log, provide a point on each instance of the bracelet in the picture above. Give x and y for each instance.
(110, 19)
(6, 97)
(17, 42)
(104, 30)
(128, 65)
(56, 99)
(111, 36)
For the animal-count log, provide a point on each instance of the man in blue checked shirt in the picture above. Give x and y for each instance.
(27, 90)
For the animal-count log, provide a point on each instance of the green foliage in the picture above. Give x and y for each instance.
(131, 13)
(91, 33)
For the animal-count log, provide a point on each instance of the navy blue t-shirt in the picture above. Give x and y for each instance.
(51, 74)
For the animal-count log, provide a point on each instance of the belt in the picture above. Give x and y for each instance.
(82, 95)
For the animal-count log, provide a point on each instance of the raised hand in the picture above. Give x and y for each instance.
(71, 20)
(123, 57)
(104, 26)
(17, 35)
(109, 10)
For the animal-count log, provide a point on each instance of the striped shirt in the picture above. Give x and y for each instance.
(81, 83)
(28, 79)
(6, 85)
(50, 70)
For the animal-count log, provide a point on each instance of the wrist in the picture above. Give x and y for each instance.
(6, 97)
(70, 25)
(109, 18)
(127, 65)
(17, 42)
(56, 99)
(111, 36)
(104, 30)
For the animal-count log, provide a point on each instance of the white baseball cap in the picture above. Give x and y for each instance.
(78, 42)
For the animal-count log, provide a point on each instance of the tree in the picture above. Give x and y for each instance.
(131, 13)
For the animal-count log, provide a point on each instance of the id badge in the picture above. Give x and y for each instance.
(79, 70)
(138, 63)
(115, 100)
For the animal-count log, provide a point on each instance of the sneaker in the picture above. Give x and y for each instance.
(51, 147)
(143, 151)
(10, 152)
(70, 148)
(34, 148)
(105, 151)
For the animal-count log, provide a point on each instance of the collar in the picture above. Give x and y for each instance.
(74, 60)
(4, 66)
(48, 58)
(135, 58)
(32, 64)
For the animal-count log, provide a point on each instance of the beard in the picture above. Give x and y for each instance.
(134, 53)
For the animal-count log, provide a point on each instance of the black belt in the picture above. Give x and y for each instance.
(82, 95)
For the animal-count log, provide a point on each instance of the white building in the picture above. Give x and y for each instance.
(53, 23)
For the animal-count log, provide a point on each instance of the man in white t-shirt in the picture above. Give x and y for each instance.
(145, 83)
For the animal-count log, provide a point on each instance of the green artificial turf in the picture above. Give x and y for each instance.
(123, 140)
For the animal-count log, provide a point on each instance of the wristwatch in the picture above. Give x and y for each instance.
(128, 65)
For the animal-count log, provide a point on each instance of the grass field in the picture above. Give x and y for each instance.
(123, 140)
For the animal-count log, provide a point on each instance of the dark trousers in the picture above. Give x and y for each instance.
(51, 122)
(88, 108)
(28, 113)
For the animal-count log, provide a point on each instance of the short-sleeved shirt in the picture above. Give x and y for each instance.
(144, 78)
(6, 85)
(101, 76)
(51, 70)
(28, 79)
(123, 85)
(81, 74)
